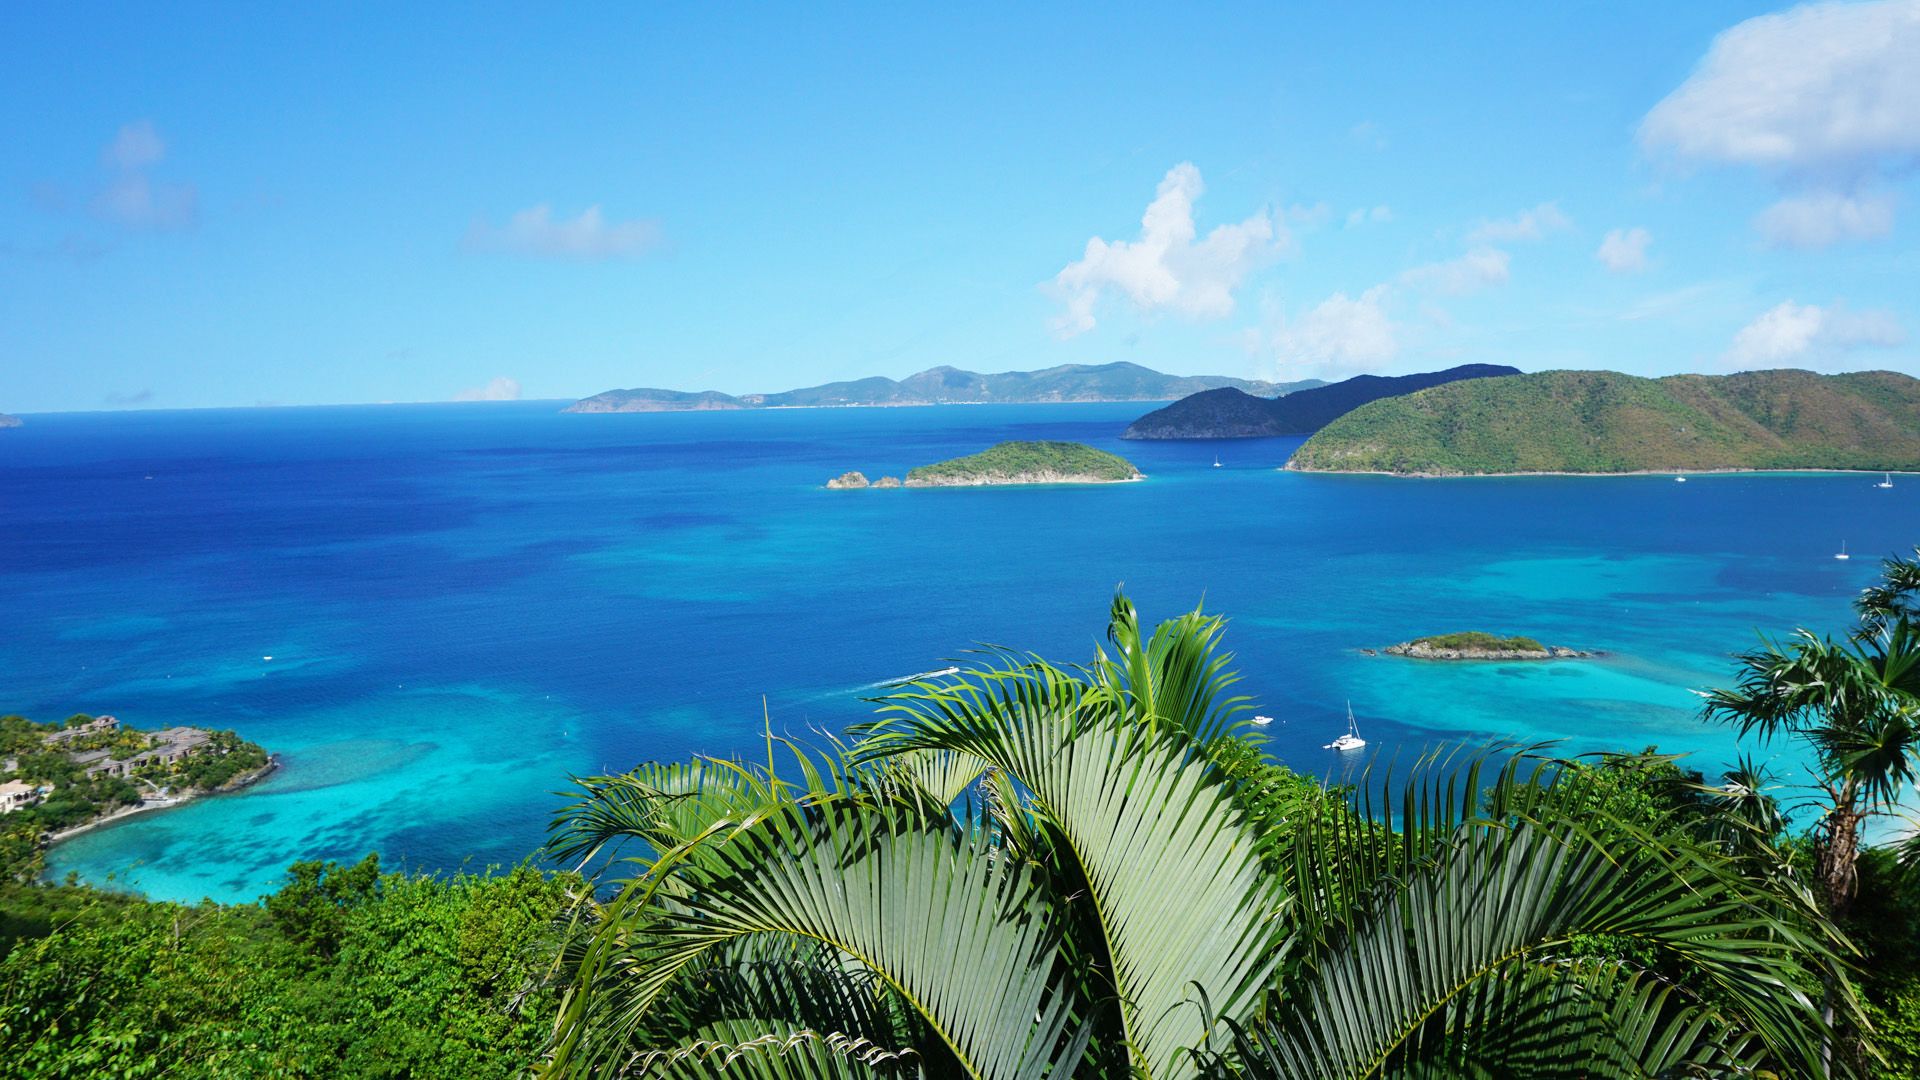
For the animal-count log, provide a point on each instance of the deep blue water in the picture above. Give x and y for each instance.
(464, 604)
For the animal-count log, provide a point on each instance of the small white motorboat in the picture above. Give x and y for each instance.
(1263, 721)
(1351, 740)
(1679, 479)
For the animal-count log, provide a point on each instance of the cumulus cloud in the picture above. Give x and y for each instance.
(1340, 334)
(1169, 268)
(1624, 251)
(535, 232)
(1526, 225)
(1478, 269)
(1791, 333)
(1822, 218)
(1811, 88)
(500, 389)
(133, 198)
(1826, 96)
(1378, 215)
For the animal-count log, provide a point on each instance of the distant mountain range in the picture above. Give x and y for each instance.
(949, 386)
(1606, 422)
(1232, 413)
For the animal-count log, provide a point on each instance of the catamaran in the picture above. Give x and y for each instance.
(1887, 482)
(1351, 740)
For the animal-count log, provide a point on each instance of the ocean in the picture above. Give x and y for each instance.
(464, 605)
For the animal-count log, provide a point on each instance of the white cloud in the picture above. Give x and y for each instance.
(1340, 334)
(1624, 251)
(1378, 215)
(1480, 268)
(1820, 86)
(134, 199)
(1793, 333)
(1825, 217)
(1826, 96)
(500, 389)
(1526, 225)
(536, 232)
(138, 202)
(137, 146)
(1168, 268)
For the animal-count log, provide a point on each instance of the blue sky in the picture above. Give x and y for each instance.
(216, 206)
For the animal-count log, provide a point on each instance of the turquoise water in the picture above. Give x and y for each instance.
(465, 604)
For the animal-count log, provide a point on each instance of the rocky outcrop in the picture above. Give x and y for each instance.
(847, 481)
(9, 421)
(887, 482)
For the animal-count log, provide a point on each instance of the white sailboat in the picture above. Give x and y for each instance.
(1263, 721)
(1351, 740)
(1843, 551)
(1887, 482)
(1216, 461)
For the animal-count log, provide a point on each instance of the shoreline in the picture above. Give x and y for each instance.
(237, 784)
(1027, 483)
(1290, 467)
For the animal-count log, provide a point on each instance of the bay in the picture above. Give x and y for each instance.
(466, 604)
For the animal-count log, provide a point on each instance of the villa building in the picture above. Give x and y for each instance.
(17, 795)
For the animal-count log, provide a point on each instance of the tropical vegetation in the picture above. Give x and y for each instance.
(1606, 422)
(1027, 462)
(1029, 870)
(1231, 413)
(1480, 641)
(1025, 870)
(344, 972)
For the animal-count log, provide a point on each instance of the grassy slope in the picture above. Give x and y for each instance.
(1598, 421)
(1010, 461)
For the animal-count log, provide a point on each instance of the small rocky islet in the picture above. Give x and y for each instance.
(1009, 463)
(1480, 645)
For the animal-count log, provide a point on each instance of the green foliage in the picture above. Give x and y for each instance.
(1603, 421)
(1098, 840)
(1480, 641)
(344, 973)
(1015, 462)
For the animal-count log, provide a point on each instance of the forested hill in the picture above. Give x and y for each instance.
(1606, 422)
(947, 385)
(1233, 414)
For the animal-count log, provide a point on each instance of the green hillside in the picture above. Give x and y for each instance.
(1027, 463)
(1606, 422)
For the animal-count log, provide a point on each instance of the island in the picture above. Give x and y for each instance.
(1009, 463)
(1230, 413)
(1480, 645)
(1120, 381)
(1027, 463)
(61, 778)
(1601, 422)
(9, 421)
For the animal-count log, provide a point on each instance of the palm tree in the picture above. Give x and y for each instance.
(1855, 704)
(1027, 871)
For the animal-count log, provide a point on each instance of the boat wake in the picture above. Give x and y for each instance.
(920, 676)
